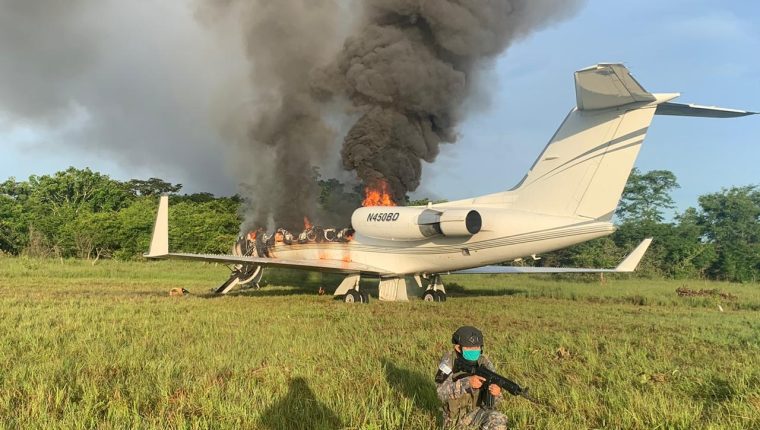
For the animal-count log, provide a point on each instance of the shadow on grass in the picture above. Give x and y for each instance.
(457, 290)
(713, 393)
(415, 386)
(299, 409)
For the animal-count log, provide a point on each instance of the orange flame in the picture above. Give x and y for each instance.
(377, 194)
(306, 223)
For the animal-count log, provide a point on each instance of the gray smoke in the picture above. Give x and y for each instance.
(128, 82)
(256, 92)
(283, 135)
(410, 68)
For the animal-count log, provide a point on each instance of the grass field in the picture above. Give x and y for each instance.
(104, 346)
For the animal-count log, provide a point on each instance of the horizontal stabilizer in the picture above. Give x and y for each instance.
(677, 109)
(628, 265)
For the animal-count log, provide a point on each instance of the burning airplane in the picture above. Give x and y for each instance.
(569, 196)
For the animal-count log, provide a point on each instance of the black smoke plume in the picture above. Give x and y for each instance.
(283, 135)
(409, 69)
(255, 92)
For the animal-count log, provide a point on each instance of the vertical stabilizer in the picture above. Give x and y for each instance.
(584, 168)
(159, 244)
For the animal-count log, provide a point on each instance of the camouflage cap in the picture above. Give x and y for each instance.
(467, 336)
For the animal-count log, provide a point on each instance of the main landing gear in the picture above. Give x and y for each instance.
(435, 291)
(354, 296)
(243, 275)
(349, 291)
(434, 296)
(391, 289)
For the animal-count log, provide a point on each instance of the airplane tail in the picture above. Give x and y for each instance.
(584, 168)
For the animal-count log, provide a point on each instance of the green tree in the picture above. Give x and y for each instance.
(78, 189)
(135, 227)
(731, 223)
(209, 227)
(646, 196)
(95, 234)
(152, 187)
(12, 225)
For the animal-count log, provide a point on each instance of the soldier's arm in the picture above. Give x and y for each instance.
(446, 387)
(450, 389)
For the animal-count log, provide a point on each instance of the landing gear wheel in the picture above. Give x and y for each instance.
(352, 296)
(365, 297)
(430, 296)
(440, 296)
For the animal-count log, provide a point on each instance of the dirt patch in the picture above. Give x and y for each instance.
(688, 292)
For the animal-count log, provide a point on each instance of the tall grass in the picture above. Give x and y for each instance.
(104, 346)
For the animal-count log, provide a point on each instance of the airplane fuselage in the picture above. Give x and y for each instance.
(505, 235)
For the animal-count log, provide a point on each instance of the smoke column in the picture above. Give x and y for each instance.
(226, 92)
(409, 69)
(129, 83)
(283, 134)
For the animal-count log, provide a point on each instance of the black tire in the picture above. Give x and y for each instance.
(440, 296)
(430, 296)
(352, 296)
(365, 297)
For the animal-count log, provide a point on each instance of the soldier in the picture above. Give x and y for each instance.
(460, 392)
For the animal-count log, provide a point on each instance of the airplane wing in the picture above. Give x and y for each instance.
(334, 266)
(159, 250)
(628, 265)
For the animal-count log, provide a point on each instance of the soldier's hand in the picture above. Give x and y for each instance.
(476, 381)
(494, 389)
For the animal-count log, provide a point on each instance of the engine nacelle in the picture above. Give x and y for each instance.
(410, 223)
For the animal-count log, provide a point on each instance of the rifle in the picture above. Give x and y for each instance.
(485, 398)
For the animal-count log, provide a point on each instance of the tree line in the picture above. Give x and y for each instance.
(78, 213)
(86, 214)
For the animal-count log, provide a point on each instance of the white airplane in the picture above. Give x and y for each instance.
(569, 196)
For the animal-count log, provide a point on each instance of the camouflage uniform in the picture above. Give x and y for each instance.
(460, 409)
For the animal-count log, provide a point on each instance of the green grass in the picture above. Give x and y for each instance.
(103, 346)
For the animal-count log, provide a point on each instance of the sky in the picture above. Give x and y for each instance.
(705, 50)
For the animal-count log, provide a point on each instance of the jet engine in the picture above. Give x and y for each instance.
(410, 223)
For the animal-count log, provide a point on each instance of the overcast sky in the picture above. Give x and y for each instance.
(706, 50)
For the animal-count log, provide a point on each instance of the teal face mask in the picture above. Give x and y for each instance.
(471, 354)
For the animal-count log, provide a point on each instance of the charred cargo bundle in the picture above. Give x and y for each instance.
(258, 243)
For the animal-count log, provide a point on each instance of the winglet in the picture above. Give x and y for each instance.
(159, 244)
(634, 258)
